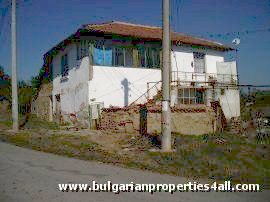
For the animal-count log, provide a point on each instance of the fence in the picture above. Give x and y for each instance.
(187, 78)
(24, 108)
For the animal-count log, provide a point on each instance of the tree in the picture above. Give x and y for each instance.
(5, 85)
(3, 75)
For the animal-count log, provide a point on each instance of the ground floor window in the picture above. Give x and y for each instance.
(191, 96)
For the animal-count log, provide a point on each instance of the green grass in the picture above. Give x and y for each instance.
(261, 102)
(35, 123)
(215, 157)
(195, 157)
(202, 156)
(262, 99)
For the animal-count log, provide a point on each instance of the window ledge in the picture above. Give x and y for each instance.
(130, 67)
(64, 79)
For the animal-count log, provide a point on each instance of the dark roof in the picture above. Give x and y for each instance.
(137, 31)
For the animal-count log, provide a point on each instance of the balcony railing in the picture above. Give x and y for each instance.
(187, 79)
(204, 79)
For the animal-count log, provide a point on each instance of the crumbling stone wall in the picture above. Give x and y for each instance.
(41, 106)
(186, 119)
(220, 118)
(78, 120)
(125, 119)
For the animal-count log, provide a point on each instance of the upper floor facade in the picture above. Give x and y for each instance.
(125, 45)
(116, 63)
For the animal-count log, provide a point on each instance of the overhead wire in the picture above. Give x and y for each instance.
(227, 35)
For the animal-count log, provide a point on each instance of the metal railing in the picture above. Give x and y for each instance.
(152, 90)
(187, 78)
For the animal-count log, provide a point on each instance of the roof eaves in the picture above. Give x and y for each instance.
(87, 28)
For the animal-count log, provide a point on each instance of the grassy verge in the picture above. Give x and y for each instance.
(215, 157)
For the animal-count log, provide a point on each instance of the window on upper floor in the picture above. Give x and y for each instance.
(122, 56)
(118, 56)
(64, 65)
(128, 62)
(148, 57)
(125, 56)
(153, 57)
(82, 49)
(199, 62)
(100, 53)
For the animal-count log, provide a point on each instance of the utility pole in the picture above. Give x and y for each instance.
(14, 68)
(166, 110)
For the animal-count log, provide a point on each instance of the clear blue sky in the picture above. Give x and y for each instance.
(44, 23)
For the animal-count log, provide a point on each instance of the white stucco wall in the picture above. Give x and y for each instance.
(211, 63)
(74, 90)
(106, 85)
(230, 100)
(182, 59)
(230, 103)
